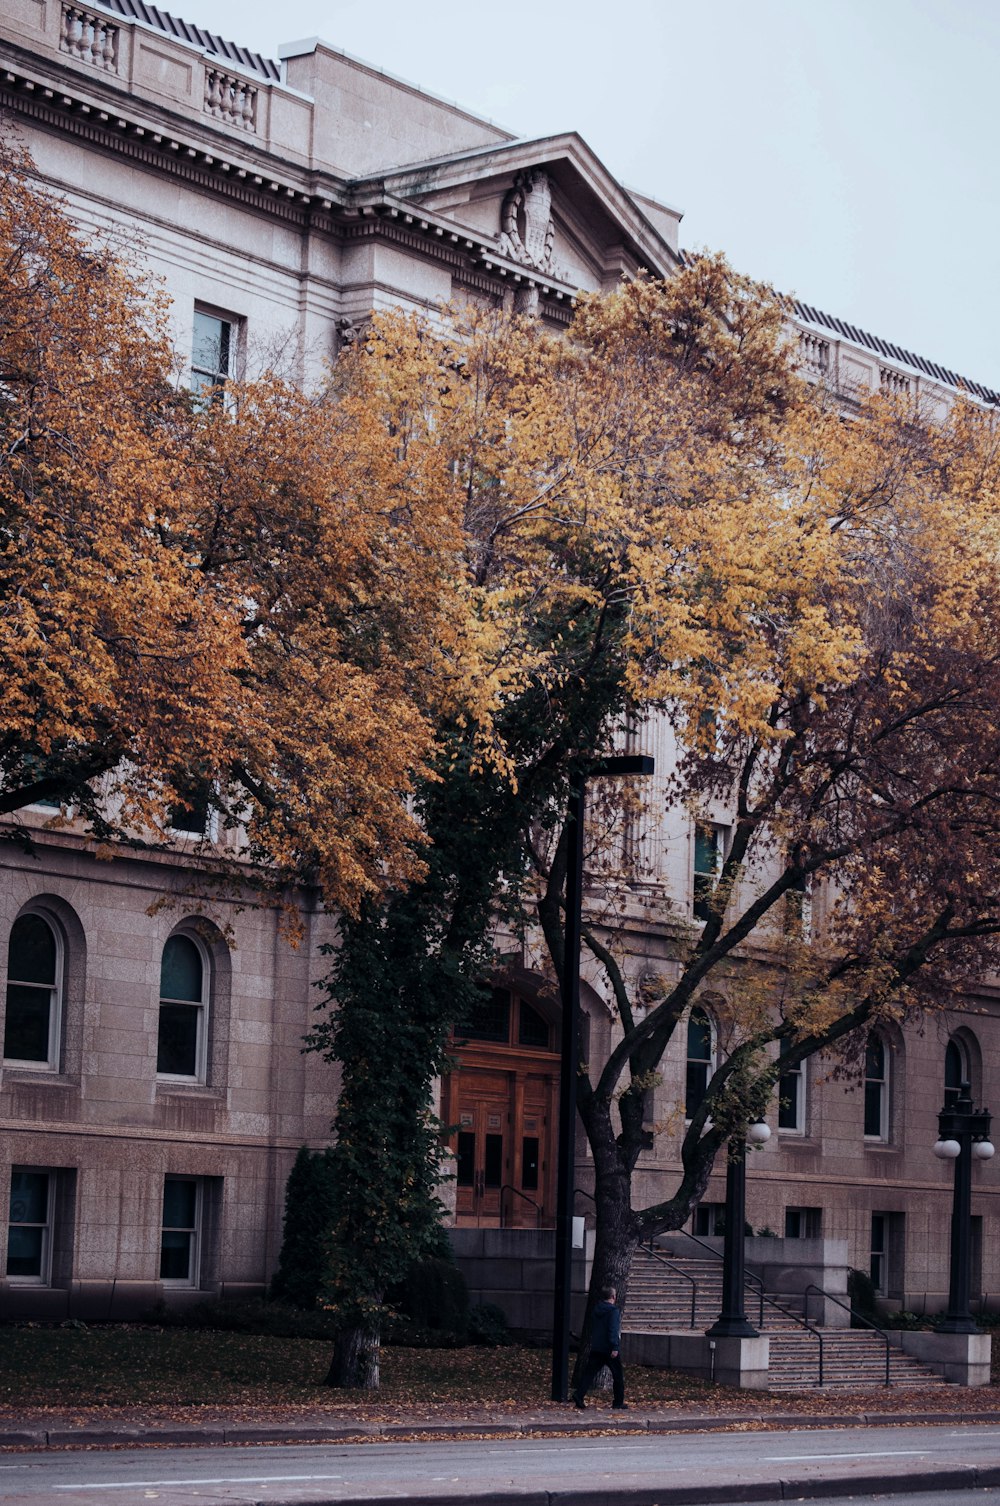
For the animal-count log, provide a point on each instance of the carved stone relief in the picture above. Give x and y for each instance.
(527, 233)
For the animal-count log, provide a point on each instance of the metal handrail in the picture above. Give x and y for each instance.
(509, 1187)
(802, 1320)
(747, 1275)
(657, 1255)
(861, 1317)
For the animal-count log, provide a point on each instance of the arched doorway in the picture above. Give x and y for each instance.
(500, 1107)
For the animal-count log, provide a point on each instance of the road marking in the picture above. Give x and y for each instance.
(222, 1480)
(889, 1453)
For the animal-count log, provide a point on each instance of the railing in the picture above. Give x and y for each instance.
(231, 99)
(658, 1255)
(748, 1276)
(861, 1318)
(786, 1312)
(90, 38)
(509, 1187)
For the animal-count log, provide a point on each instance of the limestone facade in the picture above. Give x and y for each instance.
(279, 203)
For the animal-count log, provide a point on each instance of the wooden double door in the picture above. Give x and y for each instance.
(504, 1122)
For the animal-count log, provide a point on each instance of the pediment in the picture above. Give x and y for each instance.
(548, 206)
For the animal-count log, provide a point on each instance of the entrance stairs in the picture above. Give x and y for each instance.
(673, 1293)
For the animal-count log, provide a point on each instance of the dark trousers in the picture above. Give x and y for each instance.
(595, 1364)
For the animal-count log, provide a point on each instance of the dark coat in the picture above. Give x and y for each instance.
(606, 1328)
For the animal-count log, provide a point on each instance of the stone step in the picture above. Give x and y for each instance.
(660, 1301)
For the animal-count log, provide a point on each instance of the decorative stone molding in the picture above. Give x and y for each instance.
(89, 38)
(527, 233)
(230, 99)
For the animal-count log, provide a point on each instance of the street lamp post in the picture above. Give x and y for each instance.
(732, 1322)
(632, 763)
(963, 1133)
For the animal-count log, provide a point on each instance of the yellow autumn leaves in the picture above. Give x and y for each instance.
(288, 593)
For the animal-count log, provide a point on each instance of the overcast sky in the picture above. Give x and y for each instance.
(845, 150)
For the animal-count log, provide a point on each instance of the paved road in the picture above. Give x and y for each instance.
(640, 1470)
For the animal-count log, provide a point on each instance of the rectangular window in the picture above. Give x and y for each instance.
(708, 1220)
(190, 816)
(29, 1232)
(803, 1223)
(213, 353)
(877, 1263)
(709, 854)
(792, 1101)
(180, 1239)
(530, 1146)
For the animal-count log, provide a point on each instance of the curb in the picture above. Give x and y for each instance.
(90, 1436)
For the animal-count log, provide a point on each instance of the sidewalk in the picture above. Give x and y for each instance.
(110, 1427)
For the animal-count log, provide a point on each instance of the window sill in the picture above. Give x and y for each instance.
(178, 1088)
(20, 1072)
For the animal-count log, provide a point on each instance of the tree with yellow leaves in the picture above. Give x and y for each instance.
(663, 521)
(258, 598)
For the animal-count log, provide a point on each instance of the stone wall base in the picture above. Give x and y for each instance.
(730, 1362)
(962, 1358)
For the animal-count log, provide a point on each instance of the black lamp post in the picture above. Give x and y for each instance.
(631, 763)
(732, 1322)
(963, 1132)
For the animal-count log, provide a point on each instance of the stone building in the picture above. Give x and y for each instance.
(153, 1090)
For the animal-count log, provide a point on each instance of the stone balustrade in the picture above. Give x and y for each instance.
(814, 353)
(893, 383)
(89, 38)
(230, 99)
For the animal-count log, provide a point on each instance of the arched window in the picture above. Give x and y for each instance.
(181, 1040)
(956, 1071)
(876, 1089)
(34, 985)
(700, 1060)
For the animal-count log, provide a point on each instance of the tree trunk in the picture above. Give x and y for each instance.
(618, 1228)
(355, 1360)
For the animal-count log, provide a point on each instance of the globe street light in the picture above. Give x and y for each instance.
(732, 1322)
(963, 1133)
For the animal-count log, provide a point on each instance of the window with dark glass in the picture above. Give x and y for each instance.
(530, 1146)
(876, 1090)
(708, 1220)
(699, 1060)
(31, 1026)
(708, 842)
(212, 353)
(180, 1047)
(955, 1072)
(180, 1233)
(490, 1019)
(533, 1029)
(190, 814)
(791, 1100)
(803, 1223)
(29, 1227)
(877, 1260)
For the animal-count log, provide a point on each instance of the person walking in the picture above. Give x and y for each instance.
(605, 1349)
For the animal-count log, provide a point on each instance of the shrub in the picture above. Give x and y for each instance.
(861, 1294)
(434, 1296)
(246, 1315)
(302, 1264)
(488, 1326)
